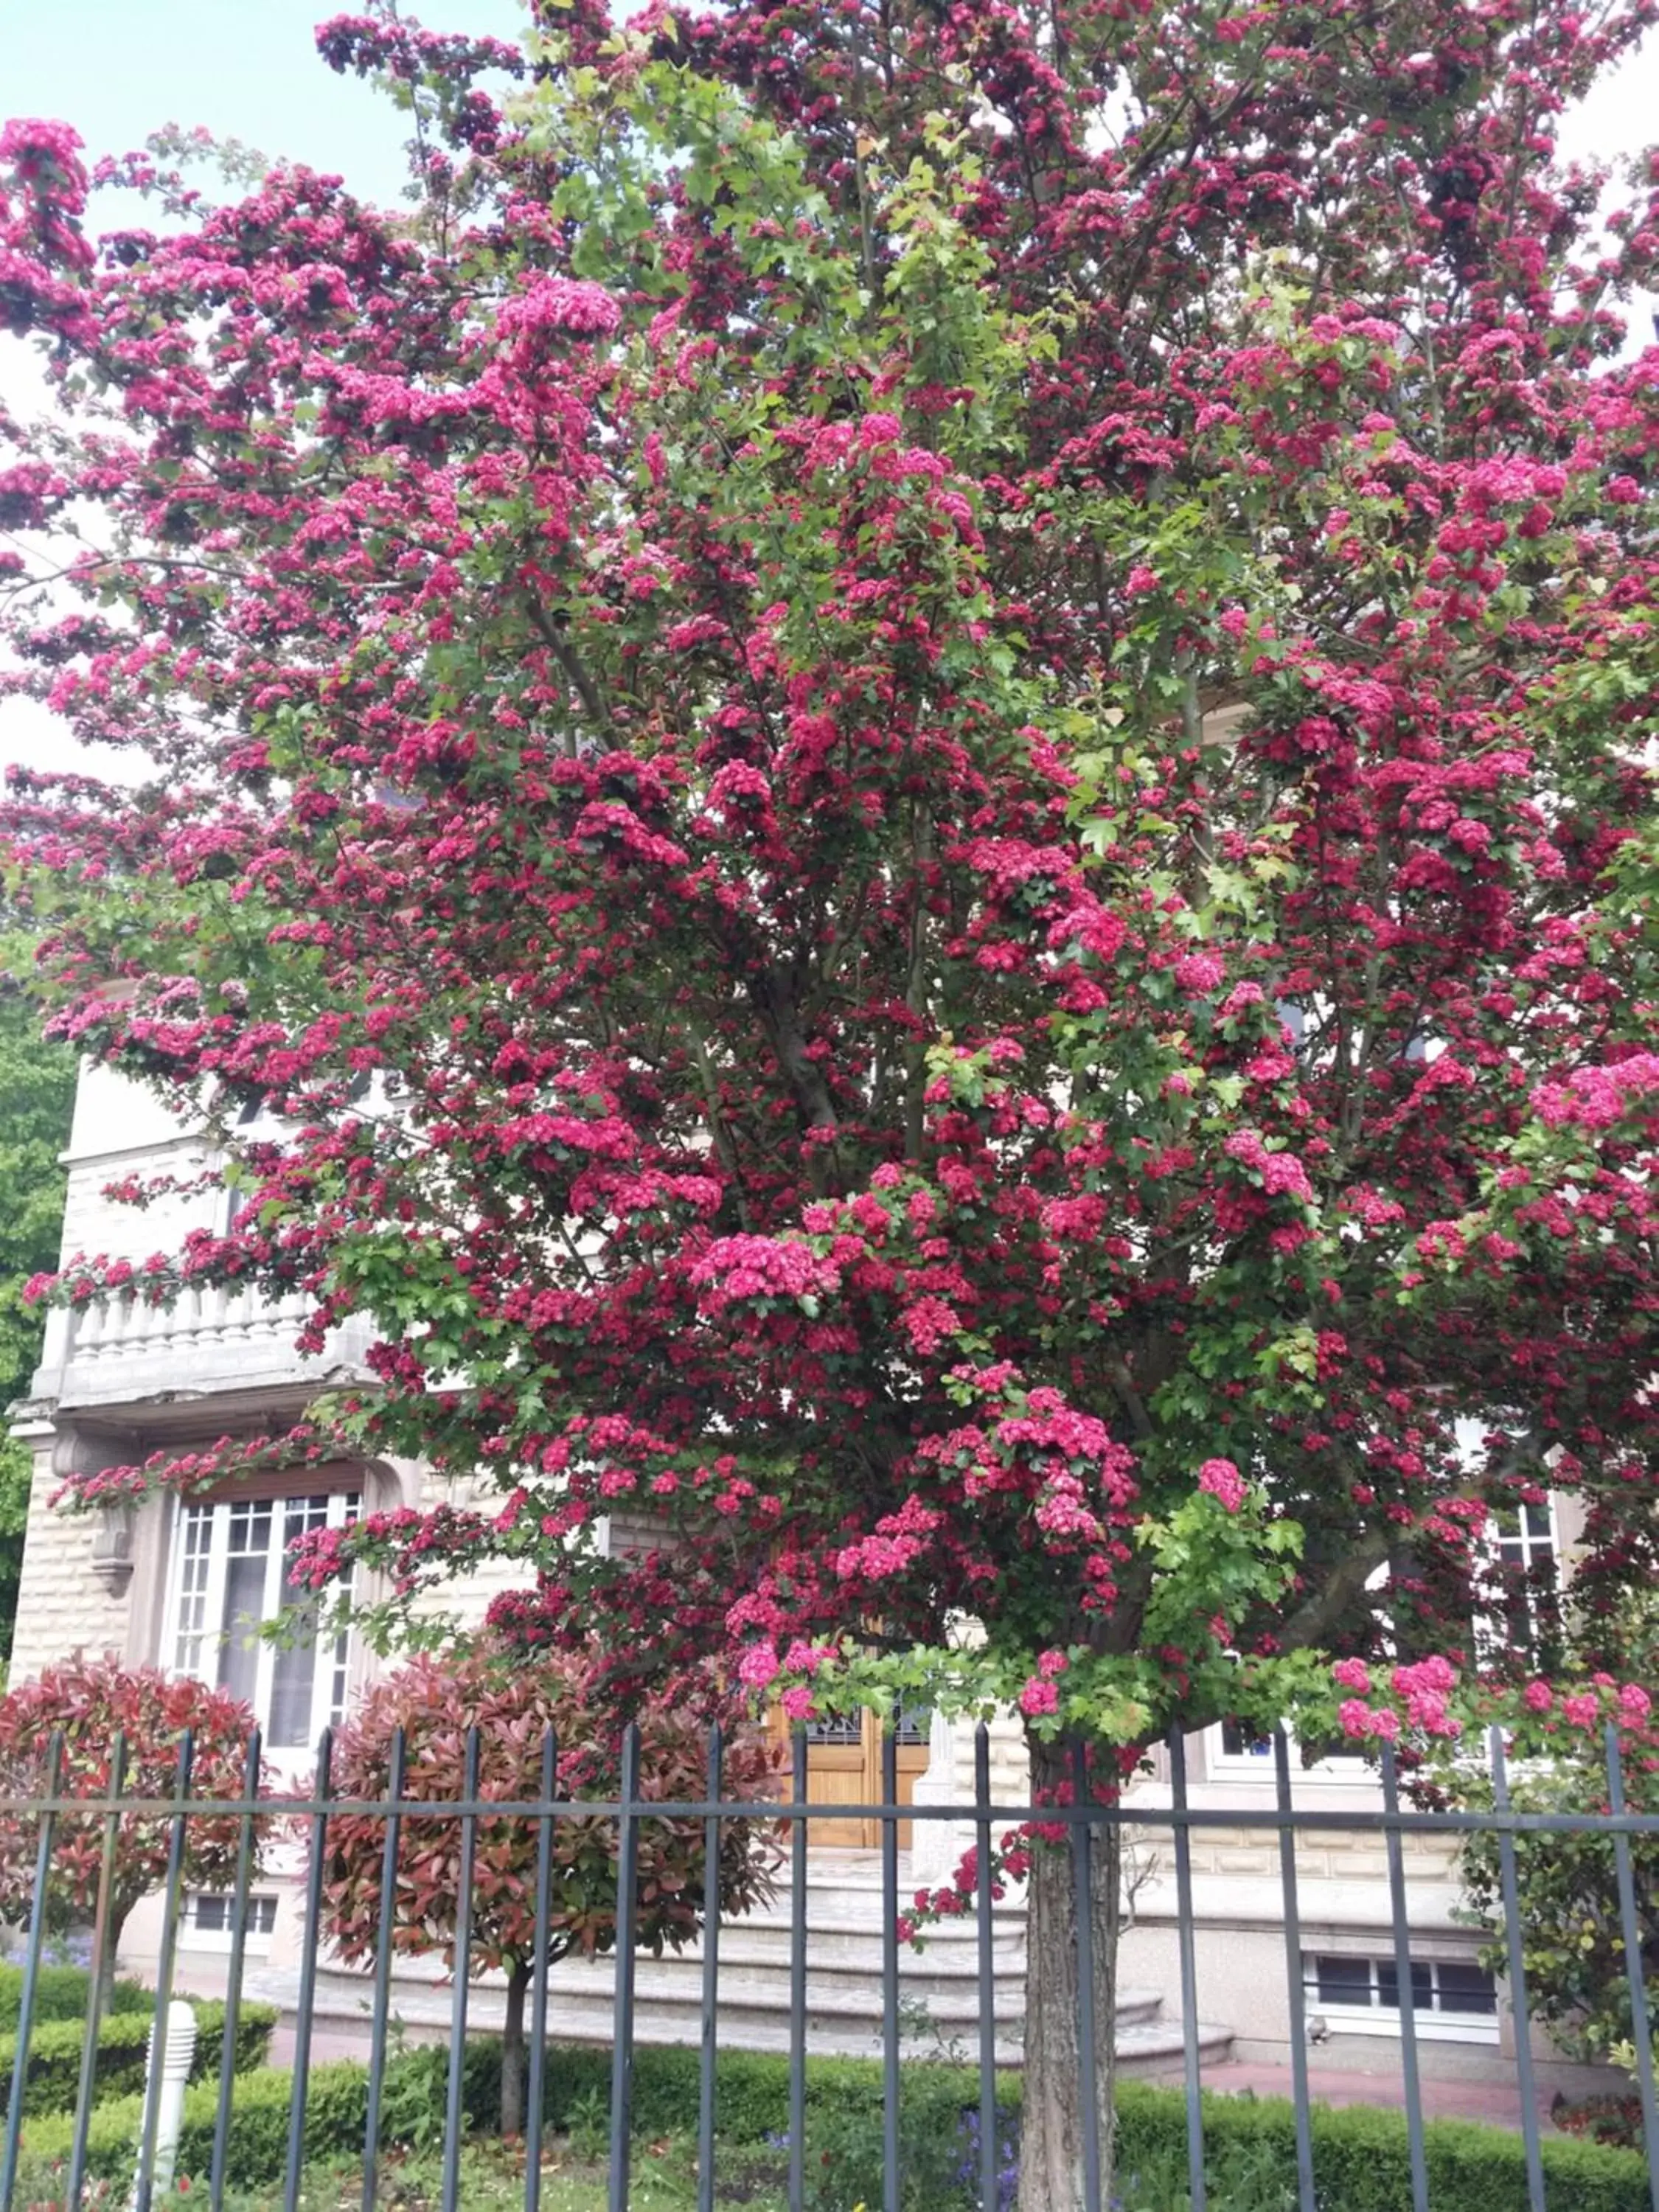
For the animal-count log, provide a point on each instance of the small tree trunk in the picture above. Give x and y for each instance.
(513, 2051)
(1051, 2125)
(105, 1992)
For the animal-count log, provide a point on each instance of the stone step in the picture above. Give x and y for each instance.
(843, 2012)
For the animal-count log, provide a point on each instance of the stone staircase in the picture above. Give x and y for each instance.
(939, 1986)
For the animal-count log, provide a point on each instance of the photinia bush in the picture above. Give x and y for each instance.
(435, 1702)
(90, 1702)
(913, 746)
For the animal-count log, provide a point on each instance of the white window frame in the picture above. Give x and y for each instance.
(1221, 1764)
(1433, 2024)
(262, 1908)
(193, 1636)
(1493, 1633)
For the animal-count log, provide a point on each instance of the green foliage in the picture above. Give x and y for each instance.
(37, 1088)
(54, 2067)
(337, 2103)
(1360, 2157)
(60, 1993)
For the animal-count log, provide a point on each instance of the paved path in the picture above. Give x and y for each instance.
(1498, 2103)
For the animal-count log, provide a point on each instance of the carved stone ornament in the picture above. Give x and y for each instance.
(112, 1528)
(77, 1451)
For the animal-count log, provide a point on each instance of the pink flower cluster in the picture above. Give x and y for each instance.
(1224, 1482)
(1596, 1097)
(560, 303)
(747, 1266)
(1422, 1689)
(1280, 1172)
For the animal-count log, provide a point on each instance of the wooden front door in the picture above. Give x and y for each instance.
(844, 1767)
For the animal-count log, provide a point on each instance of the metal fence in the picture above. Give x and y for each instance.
(1083, 1818)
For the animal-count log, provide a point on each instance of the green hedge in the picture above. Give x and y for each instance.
(60, 1993)
(337, 2104)
(54, 2067)
(1361, 2162)
(1360, 2157)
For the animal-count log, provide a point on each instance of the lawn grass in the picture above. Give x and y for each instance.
(574, 2179)
(663, 2178)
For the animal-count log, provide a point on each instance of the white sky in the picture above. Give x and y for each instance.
(119, 69)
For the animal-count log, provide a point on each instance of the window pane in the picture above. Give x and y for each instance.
(1237, 1742)
(1388, 1984)
(1466, 1988)
(195, 1544)
(246, 1567)
(294, 1674)
(1343, 1981)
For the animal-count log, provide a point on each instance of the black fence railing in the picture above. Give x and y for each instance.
(986, 2132)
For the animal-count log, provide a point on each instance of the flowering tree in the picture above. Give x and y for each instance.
(89, 1702)
(434, 1703)
(914, 744)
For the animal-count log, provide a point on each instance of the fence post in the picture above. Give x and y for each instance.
(1402, 1969)
(455, 2087)
(536, 2085)
(233, 1977)
(19, 2063)
(798, 1978)
(1509, 1883)
(711, 1971)
(889, 1991)
(988, 2188)
(622, 2062)
(1182, 1838)
(306, 2008)
(172, 1910)
(76, 2184)
(1083, 1900)
(380, 2010)
(1641, 2031)
(1295, 1991)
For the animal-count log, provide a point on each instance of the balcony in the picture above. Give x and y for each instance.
(212, 1342)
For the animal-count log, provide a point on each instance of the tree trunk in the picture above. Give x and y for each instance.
(105, 1992)
(513, 2051)
(1051, 2162)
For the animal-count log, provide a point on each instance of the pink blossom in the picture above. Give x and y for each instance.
(1141, 578)
(560, 303)
(758, 1666)
(1634, 1704)
(1039, 1697)
(1538, 1697)
(1352, 1674)
(1583, 1711)
(1198, 972)
(1223, 1481)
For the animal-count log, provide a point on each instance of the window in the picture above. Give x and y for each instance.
(1238, 1743)
(1453, 2000)
(230, 1577)
(209, 1918)
(1522, 1555)
(1234, 1752)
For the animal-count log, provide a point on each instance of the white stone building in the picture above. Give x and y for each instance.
(168, 1583)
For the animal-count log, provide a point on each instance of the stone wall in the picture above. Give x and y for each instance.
(61, 1606)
